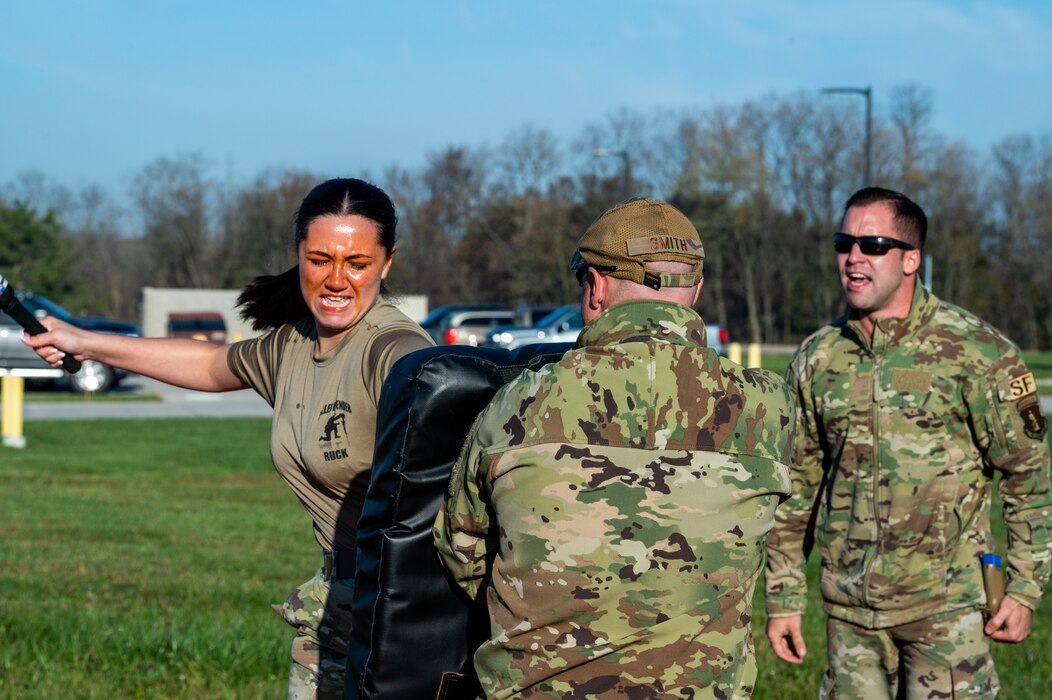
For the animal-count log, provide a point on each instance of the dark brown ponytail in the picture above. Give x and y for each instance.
(270, 301)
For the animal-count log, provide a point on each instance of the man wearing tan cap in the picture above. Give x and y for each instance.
(613, 506)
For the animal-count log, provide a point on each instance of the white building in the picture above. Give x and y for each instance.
(158, 302)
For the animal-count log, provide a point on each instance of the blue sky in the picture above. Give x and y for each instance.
(93, 90)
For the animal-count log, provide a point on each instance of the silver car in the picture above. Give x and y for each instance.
(562, 325)
(466, 324)
(22, 361)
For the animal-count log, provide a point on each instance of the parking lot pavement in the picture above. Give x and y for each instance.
(173, 402)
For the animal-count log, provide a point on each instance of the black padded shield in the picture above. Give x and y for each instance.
(411, 622)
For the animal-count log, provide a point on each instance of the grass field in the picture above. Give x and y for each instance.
(1040, 363)
(140, 558)
(43, 391)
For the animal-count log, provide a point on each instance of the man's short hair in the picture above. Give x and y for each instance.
(638, 231)
(910, 220)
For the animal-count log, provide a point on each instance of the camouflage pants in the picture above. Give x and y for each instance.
(946, 656)
(320, 611)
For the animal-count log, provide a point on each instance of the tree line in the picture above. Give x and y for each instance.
(764, 181)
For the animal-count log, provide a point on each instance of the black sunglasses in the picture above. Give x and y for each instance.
(869, 245)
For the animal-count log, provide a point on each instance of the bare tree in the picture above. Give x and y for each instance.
(526, 162)
(764, 180)
(173, 202)
(816, 169)
(1020, 183)
(734, 166)
(257, 235)
(616, 151)
(436, 226)
(911, 111)
(111, 262)
(98, 282)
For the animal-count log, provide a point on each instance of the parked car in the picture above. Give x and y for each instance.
(530, 314)
(93, 376)
(198, 325)
(564, 324)
(465, 324)
(559, 326)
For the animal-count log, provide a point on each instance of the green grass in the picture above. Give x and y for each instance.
(1040, 363)
(72, 397)
(37, 392)
(139, 559)
(775, 363)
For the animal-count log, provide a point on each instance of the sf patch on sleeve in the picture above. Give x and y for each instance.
(1022, 392)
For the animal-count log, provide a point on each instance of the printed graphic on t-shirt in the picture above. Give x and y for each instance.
(335, 428)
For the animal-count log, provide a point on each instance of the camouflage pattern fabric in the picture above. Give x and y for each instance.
(942, 657)
(320, 610)
(898, 438)
(613, 507)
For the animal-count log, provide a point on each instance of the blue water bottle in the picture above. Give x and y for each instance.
(993, 582)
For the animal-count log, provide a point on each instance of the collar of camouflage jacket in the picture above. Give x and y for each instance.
(644, 321)
(890, 332)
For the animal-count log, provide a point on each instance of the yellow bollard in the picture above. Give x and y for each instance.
(734, 352)
(754, 356)
(12, 395)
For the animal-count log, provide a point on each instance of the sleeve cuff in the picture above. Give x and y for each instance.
(1022, 594)
(780, 607)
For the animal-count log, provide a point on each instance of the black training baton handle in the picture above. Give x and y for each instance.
(11, 306)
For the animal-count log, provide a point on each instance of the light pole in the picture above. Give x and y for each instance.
(626, 165)
(866, 92)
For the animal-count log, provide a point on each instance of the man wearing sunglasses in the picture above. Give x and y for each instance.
(907, 407)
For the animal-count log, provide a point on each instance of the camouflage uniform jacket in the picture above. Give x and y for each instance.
(899, 435)
(614, 507)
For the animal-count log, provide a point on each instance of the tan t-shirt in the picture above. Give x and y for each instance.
(325, 410)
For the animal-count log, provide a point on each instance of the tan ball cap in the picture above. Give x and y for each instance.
(638, 231)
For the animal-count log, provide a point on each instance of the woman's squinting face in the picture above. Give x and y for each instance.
(341, 266)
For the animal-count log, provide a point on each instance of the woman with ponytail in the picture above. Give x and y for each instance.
(330, 339)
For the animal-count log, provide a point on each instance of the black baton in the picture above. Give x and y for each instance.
(11, 306)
